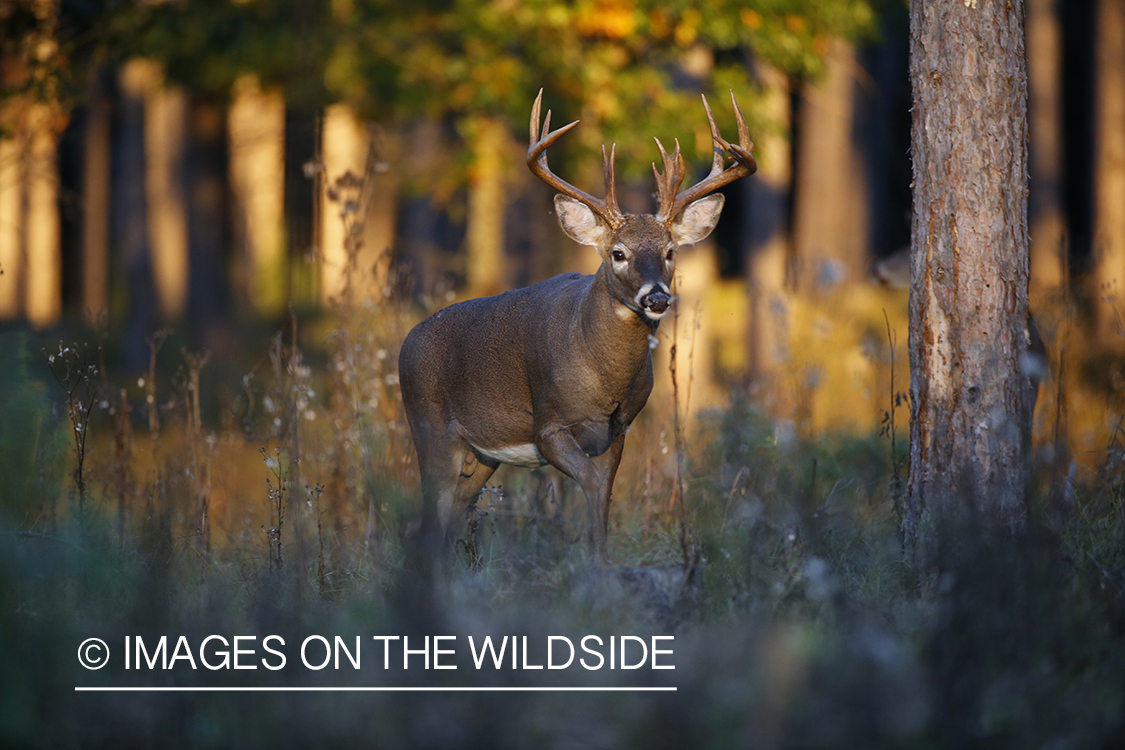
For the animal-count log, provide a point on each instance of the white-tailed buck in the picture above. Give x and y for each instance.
(555, 373)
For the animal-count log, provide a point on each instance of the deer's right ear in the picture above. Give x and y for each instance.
(580, 223)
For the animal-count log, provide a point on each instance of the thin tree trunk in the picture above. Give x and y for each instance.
(767, 241)
(1048, 227)
(356, 157)
(1109, 172)
(166, 117)
(12, 282)
(969, 276)
(130, 216)
(95, 202)
(487, 204)
(43, 252)
(205, 173)
(830, 231)
(256, 127)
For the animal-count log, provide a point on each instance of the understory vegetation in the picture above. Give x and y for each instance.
(273, 497)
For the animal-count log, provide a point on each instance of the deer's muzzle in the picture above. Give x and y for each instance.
(656, 301)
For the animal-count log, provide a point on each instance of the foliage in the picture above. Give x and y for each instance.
(623, 66)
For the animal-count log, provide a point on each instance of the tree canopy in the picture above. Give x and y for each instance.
(620, 65)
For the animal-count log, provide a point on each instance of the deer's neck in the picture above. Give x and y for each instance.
(617, 337)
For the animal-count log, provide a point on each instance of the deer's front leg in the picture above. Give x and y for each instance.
(562, 451)
(607, 464)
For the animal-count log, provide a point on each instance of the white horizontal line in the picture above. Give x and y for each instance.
(380, 689)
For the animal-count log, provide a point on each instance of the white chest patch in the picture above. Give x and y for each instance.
(526, 455)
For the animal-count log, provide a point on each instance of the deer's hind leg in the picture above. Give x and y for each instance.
(474, 473)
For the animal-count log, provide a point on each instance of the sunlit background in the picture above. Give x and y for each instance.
(219, 218)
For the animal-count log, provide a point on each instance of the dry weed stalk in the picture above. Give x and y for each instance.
(124, 483)
(76, 373)
(355, 358)
(688, 546)
(276, 488)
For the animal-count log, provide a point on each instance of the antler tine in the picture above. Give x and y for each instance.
(743, 131)
(608, 163)
(668, 180)
(541, 140)
(718, 145)
(744, 164)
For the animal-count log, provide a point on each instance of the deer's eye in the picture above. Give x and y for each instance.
(618, 256)
(670, 255)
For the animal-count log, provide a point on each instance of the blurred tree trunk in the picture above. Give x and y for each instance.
(205, 173)
(43, 251)
(12, 284)
(130, 216)
(485, 263)
(166, 119)
(1045, 66)
(767, 239)
(969, 276)
(256, 127)
(30, 224)
(95, 201)
(830, 209)
(1109, 172)
(360, 193)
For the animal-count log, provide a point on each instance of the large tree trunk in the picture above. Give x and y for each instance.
(1048, 227)
(830, 231)
(969, 274)
(1109, 172)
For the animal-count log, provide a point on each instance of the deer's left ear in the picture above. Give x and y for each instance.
(697, 220)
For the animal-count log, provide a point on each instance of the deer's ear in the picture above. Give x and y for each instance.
(580, 223)
(697, 220)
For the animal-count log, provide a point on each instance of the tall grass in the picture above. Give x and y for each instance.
(803, 628)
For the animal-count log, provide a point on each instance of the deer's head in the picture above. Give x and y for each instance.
(638, 250)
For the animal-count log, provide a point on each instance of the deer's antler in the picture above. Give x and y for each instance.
(537, 163)
(668, 182)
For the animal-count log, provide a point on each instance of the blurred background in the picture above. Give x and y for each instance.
(219, 218)
(217, 164)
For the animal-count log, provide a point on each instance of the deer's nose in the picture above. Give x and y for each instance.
(656, 301)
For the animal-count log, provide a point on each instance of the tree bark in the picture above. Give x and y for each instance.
(969, 275)
(1109, 172)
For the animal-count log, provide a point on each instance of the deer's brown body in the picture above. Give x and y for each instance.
(555, 373)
